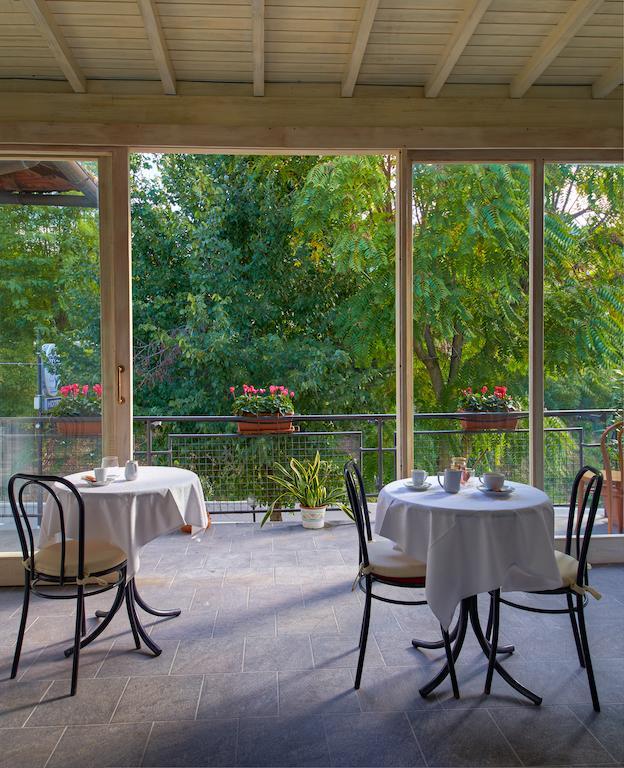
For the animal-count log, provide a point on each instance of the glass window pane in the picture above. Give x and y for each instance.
(50, 323)
(470, 246)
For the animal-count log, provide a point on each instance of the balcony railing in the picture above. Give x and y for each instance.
(235, 469)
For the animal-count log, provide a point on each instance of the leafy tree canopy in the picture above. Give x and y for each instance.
(280, 270)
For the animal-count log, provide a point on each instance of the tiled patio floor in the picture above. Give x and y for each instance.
(259, 669)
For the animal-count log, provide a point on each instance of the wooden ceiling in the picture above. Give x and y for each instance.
(348, 42)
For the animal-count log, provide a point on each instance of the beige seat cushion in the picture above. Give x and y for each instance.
(568, 568)
(392, 563)
(99, 556)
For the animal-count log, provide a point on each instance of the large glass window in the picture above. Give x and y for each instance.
(50, 322)
(263, 271)
(583, 313)
(470, 248)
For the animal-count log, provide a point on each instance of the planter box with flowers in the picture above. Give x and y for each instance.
(264, 410)
(487, 410)
(79, 411)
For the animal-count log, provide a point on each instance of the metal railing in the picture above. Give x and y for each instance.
(235, 469)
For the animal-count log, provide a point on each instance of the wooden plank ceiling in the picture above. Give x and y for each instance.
(348, 42)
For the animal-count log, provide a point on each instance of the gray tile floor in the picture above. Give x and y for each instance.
(258, 671)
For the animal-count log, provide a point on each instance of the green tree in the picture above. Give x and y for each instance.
(226, 291)
(49, 261)
(471, 268)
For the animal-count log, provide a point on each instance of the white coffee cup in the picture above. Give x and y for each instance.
(493, 481)
(452, 480)
(100, 474)
(418, 477)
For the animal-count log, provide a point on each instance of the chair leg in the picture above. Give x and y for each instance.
(488, 629)
(585, 645)
(22, 626)
(77, 637)
(83, 628)
(449, 660)
(364, 633)
(495, 616)
(131, 616)
(575, 632)
(362, 628)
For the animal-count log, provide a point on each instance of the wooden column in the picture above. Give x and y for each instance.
(404, 317)
(536, 326)
(116, 304)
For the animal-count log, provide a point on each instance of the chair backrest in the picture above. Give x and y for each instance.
(18, 485)
(359, 507)
(579, 514)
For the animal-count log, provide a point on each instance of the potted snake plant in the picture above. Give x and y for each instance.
(311, 485)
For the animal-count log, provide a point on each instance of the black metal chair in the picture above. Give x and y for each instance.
(574, 574)
(73, 563)
(381, 563)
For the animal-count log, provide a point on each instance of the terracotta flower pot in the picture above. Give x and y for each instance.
(76, 426)
(264, 423)
(474, 421)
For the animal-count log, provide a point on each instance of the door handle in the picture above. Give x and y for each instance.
(120, 398)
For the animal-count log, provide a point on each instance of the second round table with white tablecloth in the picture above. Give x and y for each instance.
(472, 543)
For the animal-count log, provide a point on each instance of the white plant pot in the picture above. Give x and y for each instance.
(313, 517)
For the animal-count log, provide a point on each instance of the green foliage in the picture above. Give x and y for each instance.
(49, 292)
(282, 268)
(310, 484)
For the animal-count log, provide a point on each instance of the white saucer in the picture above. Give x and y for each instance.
(504, 491)
(98, 483)
(424, 487)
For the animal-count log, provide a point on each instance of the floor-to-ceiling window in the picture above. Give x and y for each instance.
(50, 394)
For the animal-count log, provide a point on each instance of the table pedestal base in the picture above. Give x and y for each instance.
(130, 594)
(469, 612)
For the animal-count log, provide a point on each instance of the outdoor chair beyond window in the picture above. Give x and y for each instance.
(381, 563)
(573, 570)
(613, 488)
(69, 563)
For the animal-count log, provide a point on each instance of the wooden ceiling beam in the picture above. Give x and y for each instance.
(48, 27)
(609, 80)
(257, 41)
(358, 46)
(574, 19)
(158, 44)
(464, 29)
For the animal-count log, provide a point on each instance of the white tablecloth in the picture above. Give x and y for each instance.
(471, 542)
(130, 513)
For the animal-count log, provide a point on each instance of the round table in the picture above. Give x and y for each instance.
(472, 543)
(129, 514)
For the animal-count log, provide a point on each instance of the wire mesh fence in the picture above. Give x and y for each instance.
(236, 471)
(507, 451)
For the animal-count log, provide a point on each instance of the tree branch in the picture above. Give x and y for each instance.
(429, 359)
(456, 356)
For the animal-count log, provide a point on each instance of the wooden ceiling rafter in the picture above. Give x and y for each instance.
(358, 46)
(464, 30)
(257, 43)
(609, 80)
(46, 24)
(158, 44)
(576, 17)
